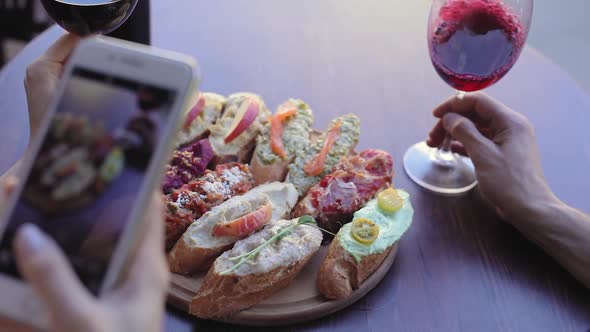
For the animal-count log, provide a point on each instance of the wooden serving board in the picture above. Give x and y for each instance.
(299, 302)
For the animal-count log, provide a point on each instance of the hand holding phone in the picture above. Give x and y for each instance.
(43, 76)
(105, 141)
(137, 305)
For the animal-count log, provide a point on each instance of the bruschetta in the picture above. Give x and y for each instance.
(348, 187)
(187, 164)
(233, 136)
(317, 159)
(286, 133)
(199, 245)
(230, 287)
(360, 247)
(198, 119)
(191, 201)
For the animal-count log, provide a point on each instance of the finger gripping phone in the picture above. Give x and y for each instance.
(96, 163)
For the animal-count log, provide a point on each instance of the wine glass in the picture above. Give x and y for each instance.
(85, 17)
(472, 44)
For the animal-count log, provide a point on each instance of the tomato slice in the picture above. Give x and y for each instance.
(389, 200)
(195, 112)
(316, 165)
(276, 131)
(246, 224)
(364, 230)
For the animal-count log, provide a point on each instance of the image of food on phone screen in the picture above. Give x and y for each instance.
(90, 169)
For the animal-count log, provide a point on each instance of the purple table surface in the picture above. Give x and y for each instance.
(460, 268)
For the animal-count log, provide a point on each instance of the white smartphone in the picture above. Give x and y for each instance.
(96, 163)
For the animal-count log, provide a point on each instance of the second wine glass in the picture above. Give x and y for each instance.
(472, 44)
(86, 17)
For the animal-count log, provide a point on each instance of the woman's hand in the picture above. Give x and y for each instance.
(43, 76)
(137, 305)
(502, 145)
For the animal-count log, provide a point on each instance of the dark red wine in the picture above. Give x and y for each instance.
(137, 28)
(84, 17)
(474, 43)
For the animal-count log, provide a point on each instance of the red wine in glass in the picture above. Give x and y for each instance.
(474, 43)
(85, 17)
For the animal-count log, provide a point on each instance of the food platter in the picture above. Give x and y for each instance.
(299, 302)
(272, 222)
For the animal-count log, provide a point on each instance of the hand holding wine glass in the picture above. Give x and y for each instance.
(503, 147)
(472, 44)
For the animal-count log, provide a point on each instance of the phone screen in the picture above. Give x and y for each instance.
(90, 169)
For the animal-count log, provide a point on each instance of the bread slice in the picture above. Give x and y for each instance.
(340, 273)
(241, 148)
(199, 127)
(347, 188)
(297, 129)
(347, 138)
(197, 248)
(264, 173)
(223, 294)
(349, 262)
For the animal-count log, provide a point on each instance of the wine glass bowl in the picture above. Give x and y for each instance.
(472, 45)
(85, 17)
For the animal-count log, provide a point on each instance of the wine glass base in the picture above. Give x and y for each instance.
(422, 166)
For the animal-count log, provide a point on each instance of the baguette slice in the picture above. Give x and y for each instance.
(353, 182)
(348, 132)
(266, 165)
(212, 106)
(198, 248)
(349, 263)
(240, 149)
(340, 273)
(223, 294)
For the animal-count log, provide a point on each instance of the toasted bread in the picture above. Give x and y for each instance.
(266, 164)
(226, 291)
(264, 173)
(347, 129)
(194, 129)
(192, 200)
(239, 149)
(349, 186)
(197, 248)
(350, 262)
(340, 273)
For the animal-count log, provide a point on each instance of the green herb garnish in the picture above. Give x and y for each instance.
(251, 255)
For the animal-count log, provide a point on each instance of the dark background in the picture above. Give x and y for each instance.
(22, 20)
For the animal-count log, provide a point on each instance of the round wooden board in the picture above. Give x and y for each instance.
(299, 302)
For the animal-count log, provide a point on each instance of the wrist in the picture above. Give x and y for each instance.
(536, 210)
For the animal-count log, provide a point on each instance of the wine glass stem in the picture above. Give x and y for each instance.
(444, 156)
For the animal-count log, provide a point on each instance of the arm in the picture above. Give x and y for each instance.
(564, 233)
(503, 148)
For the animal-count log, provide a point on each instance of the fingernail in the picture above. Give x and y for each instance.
(30, 239)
